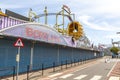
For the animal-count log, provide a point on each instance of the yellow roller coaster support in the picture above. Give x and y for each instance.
(75, 29)
(62, 31)
(2, 14)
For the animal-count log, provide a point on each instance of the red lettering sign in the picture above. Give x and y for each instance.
(37, 34)
(29, 32)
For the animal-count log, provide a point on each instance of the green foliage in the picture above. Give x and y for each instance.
(114, 50)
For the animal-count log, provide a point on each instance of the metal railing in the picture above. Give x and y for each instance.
(38, 70)
(7, 72)
(9, 21)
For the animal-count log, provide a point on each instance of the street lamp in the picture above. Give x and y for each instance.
(118, 41)
(118, 33)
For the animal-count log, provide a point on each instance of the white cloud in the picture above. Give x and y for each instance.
(28, 3)
(5, 6)
(113, 36)
(99, 25)
(101, 7)
(19, 4)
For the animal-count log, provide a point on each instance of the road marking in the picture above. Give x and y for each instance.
(84, 67)
(66, 76)
(55, 75)
(80, 77)
(96, 77)
(114, 78)
(53, 79)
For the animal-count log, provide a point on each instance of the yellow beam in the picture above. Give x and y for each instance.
(2, 14)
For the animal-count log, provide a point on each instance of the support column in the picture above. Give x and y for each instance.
(31, 56)
(58, 55)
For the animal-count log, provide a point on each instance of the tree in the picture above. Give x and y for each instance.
(114, 50)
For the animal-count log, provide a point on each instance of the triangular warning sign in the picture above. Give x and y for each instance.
(19, 43)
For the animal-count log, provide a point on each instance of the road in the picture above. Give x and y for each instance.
(98, 71)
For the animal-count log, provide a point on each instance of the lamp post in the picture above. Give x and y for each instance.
(46, 13)
(118, 33)
(118, 41)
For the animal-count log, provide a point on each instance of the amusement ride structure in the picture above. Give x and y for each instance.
(74, 30)
(26, 42)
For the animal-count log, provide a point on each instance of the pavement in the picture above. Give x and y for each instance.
(67, 72)
(97, 69)
(115, 72)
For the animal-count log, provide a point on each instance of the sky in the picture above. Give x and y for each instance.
(100, 18)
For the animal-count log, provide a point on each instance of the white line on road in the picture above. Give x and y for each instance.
(55, 75)
(114, 78)
(66, 76)
(80, 77)
(96, 77)
(84, 67)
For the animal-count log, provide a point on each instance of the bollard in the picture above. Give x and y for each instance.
(61, 65)
(71, 63)
(78, 61)
(53, 66)
(66, 64)
(74, 63)
(42, 69)
(13, 72)
(28, 68)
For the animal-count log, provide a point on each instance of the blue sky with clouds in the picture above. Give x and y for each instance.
(100, 18)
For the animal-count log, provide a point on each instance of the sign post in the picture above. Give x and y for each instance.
(18, 44)
(18, 59)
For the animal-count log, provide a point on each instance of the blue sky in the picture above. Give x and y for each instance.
(100, 18)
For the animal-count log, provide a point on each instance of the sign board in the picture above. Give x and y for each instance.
(95, 54)
(17, 57)
(37, 32)
(19, 43)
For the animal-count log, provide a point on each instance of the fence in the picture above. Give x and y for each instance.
(7, 72)
(38, 70)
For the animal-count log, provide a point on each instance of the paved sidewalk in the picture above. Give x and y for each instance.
(72, 69)
(37, 75)
(115, 72)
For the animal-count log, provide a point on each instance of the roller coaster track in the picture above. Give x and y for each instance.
(50, 14)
